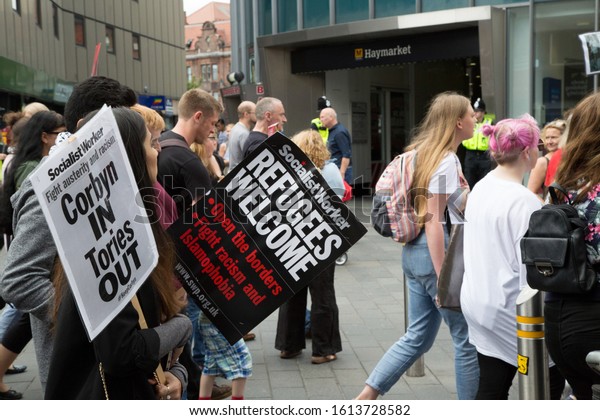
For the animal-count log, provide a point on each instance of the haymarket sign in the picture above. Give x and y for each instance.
(443, 45)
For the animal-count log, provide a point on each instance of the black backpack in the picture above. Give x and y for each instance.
(554, 250)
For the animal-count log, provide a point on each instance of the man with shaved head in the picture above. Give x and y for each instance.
(339, 143)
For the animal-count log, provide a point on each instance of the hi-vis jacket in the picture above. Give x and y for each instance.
(323, 131)
(479, 142)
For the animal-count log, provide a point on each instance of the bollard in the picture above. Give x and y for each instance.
(593, 361)
(418, 367)
(596, 392)
(532, 357)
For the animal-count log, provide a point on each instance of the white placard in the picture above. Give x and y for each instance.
(591, 51)
(91, 202)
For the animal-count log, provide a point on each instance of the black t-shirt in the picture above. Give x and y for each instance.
(181, 173)
(255, 138)
(220, 160)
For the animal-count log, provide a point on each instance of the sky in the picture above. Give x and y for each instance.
(190, 6)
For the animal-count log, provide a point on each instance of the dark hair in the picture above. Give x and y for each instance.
(91, 94)
(30, 148)
(133, 132)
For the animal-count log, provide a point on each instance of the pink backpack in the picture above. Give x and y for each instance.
(392, 214)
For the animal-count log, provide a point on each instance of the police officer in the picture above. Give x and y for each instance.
(316, 123)
(477, 160)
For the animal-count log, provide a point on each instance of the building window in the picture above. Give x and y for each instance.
(385, 8)
(38, 13)
(495, 2)
(351, 10)
(206, 72)
(265, 22)
(189, 73)
(215, 72)
(518, 61)
(79, 31)
(55, 19)
(559, 69)
(432, 5)
(287, 15)
(315, 13)
(249, 20)
(16, 5)
(110, 40)
(135, 43)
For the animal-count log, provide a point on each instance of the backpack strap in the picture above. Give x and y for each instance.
(174, 143)
(554, 197)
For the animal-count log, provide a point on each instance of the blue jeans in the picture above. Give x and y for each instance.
(424, 319)
(6, 318)
(193, 313)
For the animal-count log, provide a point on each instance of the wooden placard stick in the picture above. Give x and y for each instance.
(160, 374)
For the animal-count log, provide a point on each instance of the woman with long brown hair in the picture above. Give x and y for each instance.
(573, 321)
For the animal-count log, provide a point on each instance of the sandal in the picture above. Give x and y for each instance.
(289, 354)
(317, 360)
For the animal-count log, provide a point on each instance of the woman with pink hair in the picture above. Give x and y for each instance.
(497, 217)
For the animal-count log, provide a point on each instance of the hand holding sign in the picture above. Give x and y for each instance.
(85, 189)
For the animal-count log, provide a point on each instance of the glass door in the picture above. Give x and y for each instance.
(389, 128)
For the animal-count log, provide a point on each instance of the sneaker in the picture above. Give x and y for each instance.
(220, 392)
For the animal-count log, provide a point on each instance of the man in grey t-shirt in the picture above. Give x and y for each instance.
(240, 131)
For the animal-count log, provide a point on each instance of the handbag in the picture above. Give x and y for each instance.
(453, 266)
(452, 272)
(347, 192)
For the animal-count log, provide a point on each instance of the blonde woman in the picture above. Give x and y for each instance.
(205, 152)
(324, 314)
(449, 120)
(551, 137)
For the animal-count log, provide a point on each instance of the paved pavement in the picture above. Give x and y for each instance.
(370, 296)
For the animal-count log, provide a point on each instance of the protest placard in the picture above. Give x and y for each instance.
(590, 43)
(260, 236)
(89, 197)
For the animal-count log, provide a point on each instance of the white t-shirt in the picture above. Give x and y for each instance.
(445, 181)
(497, 217)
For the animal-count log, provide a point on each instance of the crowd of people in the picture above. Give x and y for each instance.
(174, 168)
